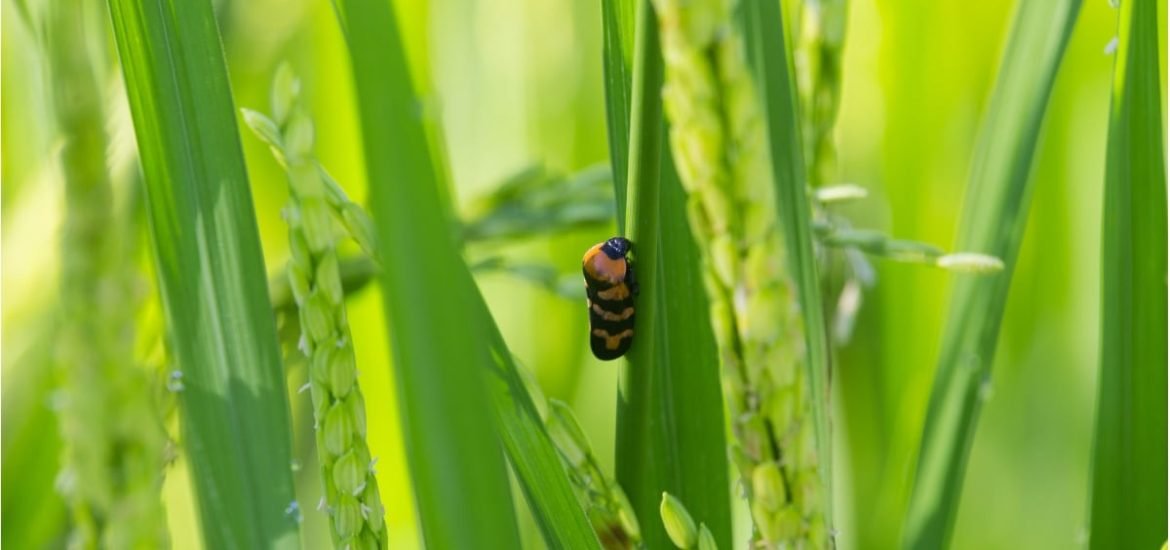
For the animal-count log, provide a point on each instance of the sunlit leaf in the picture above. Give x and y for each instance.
(1129, 457)
(219, 323)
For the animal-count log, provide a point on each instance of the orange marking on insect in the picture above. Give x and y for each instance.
(619, 292)
(612, 341)
(608, 316)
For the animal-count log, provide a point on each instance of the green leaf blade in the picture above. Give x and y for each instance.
(1128, 507)
(453, 450)
(994, 216)
(618, 30)
(670, 433)
(220, 326)
(531, 452)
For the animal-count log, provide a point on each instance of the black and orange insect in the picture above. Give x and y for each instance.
(611, 287)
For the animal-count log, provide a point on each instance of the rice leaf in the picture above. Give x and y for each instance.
(453, 444)
(1129, 457)
(220, 327)
(530, 449)
(618, 30)
(670, 411)
(993, 220)
(453, 452)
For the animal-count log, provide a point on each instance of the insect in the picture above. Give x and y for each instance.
(610, 286)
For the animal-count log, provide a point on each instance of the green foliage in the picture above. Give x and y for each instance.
(83, 349)
(532, 202)
(618, 27)
(220, 327)
(995, 213)
(517, 208)
(529, 447)
(1128, 508)
(606, 505)
(452, 444)
(451, 460)
(672, 370)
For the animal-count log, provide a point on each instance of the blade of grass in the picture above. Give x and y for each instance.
(453, 455)
(530, 449)
(221, 330)
(617, 26)
(1129, 456)
(452, 446)
(771, 61)
(670, 411)
(994, 216)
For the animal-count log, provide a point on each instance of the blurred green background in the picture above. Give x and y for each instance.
(520, 82)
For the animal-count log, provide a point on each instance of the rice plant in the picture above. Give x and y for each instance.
(896, 274)
(1128, 506)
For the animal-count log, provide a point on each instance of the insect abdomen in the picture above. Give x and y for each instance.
(611, 322)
